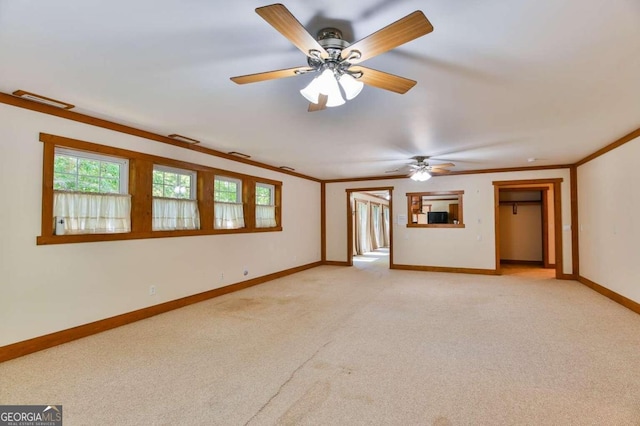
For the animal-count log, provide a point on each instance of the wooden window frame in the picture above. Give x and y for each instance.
(140, 188)
(410, 195)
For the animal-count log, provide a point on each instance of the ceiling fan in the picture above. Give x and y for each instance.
(336, 60)
(422, 170)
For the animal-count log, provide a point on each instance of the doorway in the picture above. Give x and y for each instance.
(527, 226)
(369, 227)
(524, 230)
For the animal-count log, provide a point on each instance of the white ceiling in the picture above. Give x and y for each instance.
(498, 82)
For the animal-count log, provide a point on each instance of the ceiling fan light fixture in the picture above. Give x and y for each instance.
(420, 175)
(350, 85)
(312, 91)
(327, 84)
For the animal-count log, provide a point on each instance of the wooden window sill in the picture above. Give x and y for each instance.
(88, 238)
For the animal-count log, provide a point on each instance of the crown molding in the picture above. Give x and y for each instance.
(110, 125)
(613, 145)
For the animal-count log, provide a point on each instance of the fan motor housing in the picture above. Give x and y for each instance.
(331, 40)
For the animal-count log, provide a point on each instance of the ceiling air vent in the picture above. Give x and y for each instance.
(239, 154)
(42, 99)
(183, 139)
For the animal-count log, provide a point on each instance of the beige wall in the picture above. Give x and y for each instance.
(608, 206)
(44, 289)
(521, 233)
(469, 247)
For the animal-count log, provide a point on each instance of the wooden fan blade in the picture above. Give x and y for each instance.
(438, 171)
(443, 165)
(400, 32)
(322, 103)
(269, 75)
(383, 80)
(282, 20)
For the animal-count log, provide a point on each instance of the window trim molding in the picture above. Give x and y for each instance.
(140, 177)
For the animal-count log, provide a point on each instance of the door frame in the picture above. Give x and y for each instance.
(544, 218)
(557, 215)
(350, 213)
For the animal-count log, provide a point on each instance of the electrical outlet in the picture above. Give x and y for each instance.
(152, 290)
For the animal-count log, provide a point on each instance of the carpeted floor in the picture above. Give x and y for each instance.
(352, 346)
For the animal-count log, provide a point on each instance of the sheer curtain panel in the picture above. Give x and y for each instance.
(375, 228)
(170, 214)
(265, 216)
(363, 244)
(228, 216)
(385, 226)
(84, 213)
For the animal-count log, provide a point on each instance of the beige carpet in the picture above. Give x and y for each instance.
(355, 346)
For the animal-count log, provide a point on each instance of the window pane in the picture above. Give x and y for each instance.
(64, 164)
(158, 177)
(264, 195)
(158, 190)
(110, 185)
(88, 184)
(173, 184)
(88, 167)
(65, 182)
(180, 192)
(88, 173)
(109, 170)
(226, 191)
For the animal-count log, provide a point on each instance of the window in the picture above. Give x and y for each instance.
(264, 194)
(88, 172)
(173, 183)
(174, 199)
(441, 209)
(228, 207)
(265, 205)
(93, 192)
(90, 193)
(227, 190)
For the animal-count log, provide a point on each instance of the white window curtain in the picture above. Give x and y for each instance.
(228, 215)
(362, 237)
(385, 226)
(265, 216)
(375, 226)
(170, 214)
(84, 213)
